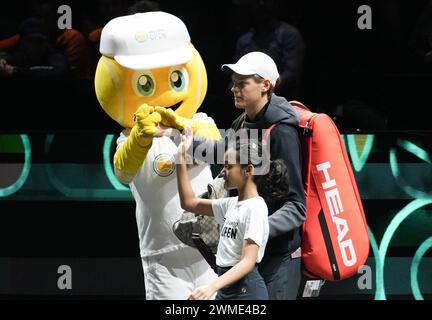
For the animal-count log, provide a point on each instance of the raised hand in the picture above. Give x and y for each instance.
(171, 119)
(205, 292)
(147, 120)
(186, 142)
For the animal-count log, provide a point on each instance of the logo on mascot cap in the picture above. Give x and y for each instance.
(135, 44)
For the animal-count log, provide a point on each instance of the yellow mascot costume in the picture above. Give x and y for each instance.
(150, 75)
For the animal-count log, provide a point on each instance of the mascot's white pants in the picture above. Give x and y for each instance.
(174, 275)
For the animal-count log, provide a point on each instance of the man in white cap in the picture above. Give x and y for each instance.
(254, 78)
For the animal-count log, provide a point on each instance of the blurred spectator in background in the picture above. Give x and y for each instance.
(108, 10)
(6, 69)
(421, 37)
(280, 40)
(71, 42)
(104, 11)
(31, 52)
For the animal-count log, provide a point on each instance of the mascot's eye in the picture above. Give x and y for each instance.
(178, 79)
(145, 85)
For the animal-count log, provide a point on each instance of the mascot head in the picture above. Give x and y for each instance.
(148, 58)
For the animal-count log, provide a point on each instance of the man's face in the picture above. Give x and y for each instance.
(248, 92)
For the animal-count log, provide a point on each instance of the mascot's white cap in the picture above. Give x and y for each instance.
(146, 41)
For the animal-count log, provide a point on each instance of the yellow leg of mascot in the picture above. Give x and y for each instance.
(150, 74)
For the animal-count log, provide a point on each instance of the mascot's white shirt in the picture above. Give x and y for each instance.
(155, 191)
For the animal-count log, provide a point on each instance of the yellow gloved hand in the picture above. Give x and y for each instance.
(171, 119)
(147, 120)
(200, 128)
(130, 156)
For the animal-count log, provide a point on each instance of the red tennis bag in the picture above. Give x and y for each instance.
(335, 240)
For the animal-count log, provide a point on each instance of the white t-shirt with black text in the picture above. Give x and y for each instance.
(240, 220)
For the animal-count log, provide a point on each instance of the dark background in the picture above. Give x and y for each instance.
(379, 74)
(382, 70)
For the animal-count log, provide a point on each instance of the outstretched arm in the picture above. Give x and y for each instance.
(202, 129)
(188, 200)
(130, 154)
(206, 136)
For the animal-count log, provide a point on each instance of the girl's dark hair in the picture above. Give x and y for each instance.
(272, 186)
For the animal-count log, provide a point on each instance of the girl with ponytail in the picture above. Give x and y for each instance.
(243, 219)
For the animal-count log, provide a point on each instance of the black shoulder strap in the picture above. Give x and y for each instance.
(204, 250)
(240, 123)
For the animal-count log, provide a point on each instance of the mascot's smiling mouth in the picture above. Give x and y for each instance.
(175, 106)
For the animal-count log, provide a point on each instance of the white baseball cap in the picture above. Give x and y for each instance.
(255, 63)
(146, 40)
